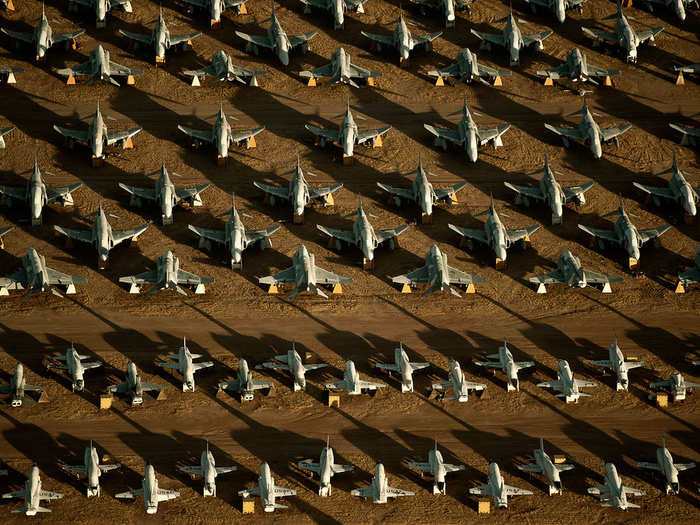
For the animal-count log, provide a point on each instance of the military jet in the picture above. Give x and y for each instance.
(234, 236)
(267, 490)
(101, 235)
(4, 132)
(42, 37)
(613, 493)
(100, 67)
(577, 69)
(102, 7)
(401, 39)
(352, 382)
(167, 276)
(689, 136)
(511, 367)
(566, 384)
(336, 8)
(292, 363)
(458, 383)
(404, 367)
(665, 465)
(223, 69)
(550, 192)
(437, 468)
(677, 6)
(208, 470)
(277, 40)
(497, 488)
(467, 69)
(185, 365)
(306, 275)
(36, 277)
(678, 190)
(215, 8)
(623, 35)
(447, 8)
(92, 469)
(692, 275)
(326, 468)
(512, 39)
(75, 367)
(18, 386)
(379, 490)
(558, 7)
(569, 271)
(617, 364)
(8, 72)
(588, 132)
(165, 194)
(244, 384)
(37, 195)
(151, 492)
(133, 386)
(677, 385)
(541, 463)
(33, 494)
(341, 69)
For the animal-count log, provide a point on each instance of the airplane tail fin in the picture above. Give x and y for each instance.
(315, 289)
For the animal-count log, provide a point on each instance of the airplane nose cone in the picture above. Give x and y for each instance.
(284, 57)
(597, 151)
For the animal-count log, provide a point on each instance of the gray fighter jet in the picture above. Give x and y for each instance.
(467, 69)
(613, 493)
(448, 8)
(33, 494)
(665, 465)
(215, 8)
(186, 366)
(133, 386)
(326, 468)
(336, 8)
(404, 367)
(277, 40)
(550, 192)
(497, 488)
(8, 74)
(512, 40)
(100, 67)
(341, 69)
(623, 35)
(292, 363)
(244, 384)
(42, 38)
(558, 7)
(569, 271)
(379, 490)
(511, 367)
(438, 274)
(208, 470)
(92, 469)
(467, 134)
(401, 39)
(151, 492)
(223, 69)
(37, 195)
(101, 8)
(437, 468)
(306, 275)
(267, 490)
(678, 190)
(167, 276)
(541, 463)
(234, 236)
(577, 69)
(352, 383)
(458, 383)
(18, 386)
(35, 276)
(101, 235)
(566, 385)
(617, 364)
(75, 367)
(689, 136)
(677, 385)
(165, 194)
(692, 275)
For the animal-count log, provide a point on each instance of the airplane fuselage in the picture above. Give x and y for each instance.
(37, 195)
(166, 195)
(513, 40)
(325, 471)
(423, 190)
(299, 192)
(32, 492)
(553, 193)
(279, 38)
(468, 64)
(236, 236)
(348, 133)
(267, 488)
(403, 41)
(469, 132)
(495, 480)
(684, 193)
(43, 36)
(628, 235)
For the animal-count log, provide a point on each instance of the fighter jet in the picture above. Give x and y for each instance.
(37, 195)
(151, 492)
(18, 386)
(341, 69)
(510, 366)
(447, 7)
(495, 235)
(437, 468)
(100, 67)
(558, 7)
(617, 364)
(167, 276)
(550, 192)
(292, 363)
(277, 40)
(336, 8)
(223, 69)
(692, 275)
(588, 132)
(234, 236)
(467, 69)
(33, 494)
(566, 384)
(460, 386)
(401, 39)
(626, 234)
(185, 365)
(267, 490)
(404, 367)
(75, 367)
(352, 382)
(306, 275)
(379, 490)
(438, 274)
(677, 6)
(665, 465)
(36, 277)
(8, 72)
(623, 35)
(208, 470)
(101, 235)
(577, 69)
(244, 384)
(543, 464)
(92, 469)
(215, 8)
(326, 468)
(569, 271)
(497, 488)
(165, 194)
(677, 385)
(134, 386)
(613, 493)
(102, 7)
(689, 136)
(678, 190)
(42, 37)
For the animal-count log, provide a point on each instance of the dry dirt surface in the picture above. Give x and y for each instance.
(237, 318)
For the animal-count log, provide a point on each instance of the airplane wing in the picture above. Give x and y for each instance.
(122, 235)
(121, 135)
(192, 470)
(145, 277)
(520, 233)
(298, 40)
(688, 384)
(326, 277)
(582, 384)
(489, 37)
(421, 275)
(368, 134)
(481, 489)
(62, 37)
(308, 464)
(106, 468)
(277, 191)
(449, 71)
(149, 387)
(238, 136)
(357, 71)
(611, 133)
(634, 364)
(478, 235)
(281, 492)
(492, 133)
(400, 192)
(165, 495)
(596, 71)
(556, 385)
(81, 136)
(249, 492)
(209, 70)
(660, 384)
(571, 133)
(555, 73)
(286, 276)
(118, 69)
(189, 194)
(387, 40)
(323, 71)
(337, 469)
(121, 388)
(184, 277)
(530, 468)
(653, 233)
(364, 492)
(603, 35)
(572, 191)
(448, 134)
(608, 235)
(397, 493)
(537, 37)
(255, 235)
(634, 492)
(56, 277)
(199, 134)
(16, 192)
(55, 193)
(321, 191)
(387, 366)
(599, 278)
(257, 40)
(369, 385)
(515, 491)
(600, 489)
(344, 235)
(459, 277)
(425, 467)
(24, 37)
(605, 363)
(34, 388)
(492, 72)
(524, 364)
(385, 235)
(81, 69)
(143, 193)
(178, 39)
(653, 190)
(684, 466)
(530, 192)
(259, 384)
(648, 33)
(650, 466)
(79, 469)
(453, 468)
(47, 495)
(144, 39)
(325, 133)
(78, 235)
(424, 39)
